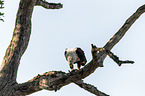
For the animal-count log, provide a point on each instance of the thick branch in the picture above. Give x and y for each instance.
(25, 89)
(19, 40)
(53, 80)
(48, 5)
(90, 88)
(21, 36)
(121, 32)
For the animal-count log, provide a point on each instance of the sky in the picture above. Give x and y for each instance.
(81, 23)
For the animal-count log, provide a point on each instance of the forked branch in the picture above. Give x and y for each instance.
(54, 80)
(114, 57)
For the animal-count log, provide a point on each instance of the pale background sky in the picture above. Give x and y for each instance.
(79, 24)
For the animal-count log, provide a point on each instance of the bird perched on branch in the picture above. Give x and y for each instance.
(75, 55)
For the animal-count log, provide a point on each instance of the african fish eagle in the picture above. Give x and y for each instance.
(75, 55)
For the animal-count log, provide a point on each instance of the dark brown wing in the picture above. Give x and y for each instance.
(65, 54)
(81, 55)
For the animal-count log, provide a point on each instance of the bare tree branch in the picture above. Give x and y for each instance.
(53, 80)
(90, 88)
(20, 37)
(121, 32)
(114, 57)
(19, 40)
(48, 5)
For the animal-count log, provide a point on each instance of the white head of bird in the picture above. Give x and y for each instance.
(75, 55)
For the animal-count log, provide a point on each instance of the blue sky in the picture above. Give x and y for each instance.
(79, 24)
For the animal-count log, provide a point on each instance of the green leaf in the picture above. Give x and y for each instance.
(1, 13)
(1, 20)
(1, 7)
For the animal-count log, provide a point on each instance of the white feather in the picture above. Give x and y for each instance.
(71, 55)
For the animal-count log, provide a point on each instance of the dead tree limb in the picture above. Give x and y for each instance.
(48, 5)
(121, 32)
(90, 88)
(114, 57)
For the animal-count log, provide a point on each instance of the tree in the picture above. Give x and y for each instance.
(52, 80)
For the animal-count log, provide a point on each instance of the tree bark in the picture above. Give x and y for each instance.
(52, 80)
(17, 47)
